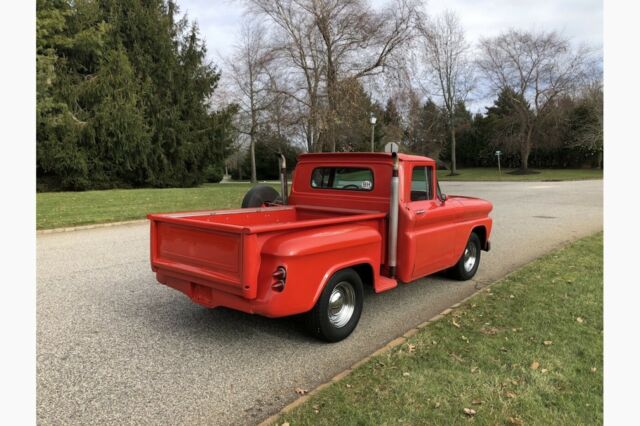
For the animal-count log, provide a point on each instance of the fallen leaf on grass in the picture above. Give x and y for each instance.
(544, 370)
(285, 424)
(510, 395)
(456, 357)
(511, 296)
(580, 320)
(348, 386)
(547, 342)
(301, 391)
(406, 374)
(515, 421)
(455, 324)
(469, 411)
(476, 402)
(412, 348)
(436, 405)
(593, 369)
(474, 369)
(535, 365)
(491, 331)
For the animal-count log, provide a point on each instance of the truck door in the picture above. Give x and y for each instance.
(434, 223)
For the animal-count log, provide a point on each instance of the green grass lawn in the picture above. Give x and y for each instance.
(526, 351)
(491, 174)
(62, 209)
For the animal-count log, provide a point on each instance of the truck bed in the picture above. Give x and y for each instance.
(221, 249)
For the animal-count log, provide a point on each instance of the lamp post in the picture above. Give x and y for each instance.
(372, 120)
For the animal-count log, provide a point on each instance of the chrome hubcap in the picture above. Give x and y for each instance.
(342, 303)
(470, 256)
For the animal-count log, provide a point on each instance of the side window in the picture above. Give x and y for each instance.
(421, 183)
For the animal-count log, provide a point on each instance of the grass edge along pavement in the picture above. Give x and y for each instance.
(488, 174)
(71, 209)
(526, 350)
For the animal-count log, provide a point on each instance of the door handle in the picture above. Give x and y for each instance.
(420, 211)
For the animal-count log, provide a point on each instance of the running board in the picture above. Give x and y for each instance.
(384, 284)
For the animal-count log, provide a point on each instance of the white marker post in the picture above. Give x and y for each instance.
(391, 147)
(498, 154)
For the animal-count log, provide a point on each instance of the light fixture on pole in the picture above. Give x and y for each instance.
(372, 120)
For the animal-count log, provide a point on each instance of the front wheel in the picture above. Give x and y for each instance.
(337, 311)
(468, 263)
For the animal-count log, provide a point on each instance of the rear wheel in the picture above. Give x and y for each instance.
(468, 263)
(337, 311)
(261, 195)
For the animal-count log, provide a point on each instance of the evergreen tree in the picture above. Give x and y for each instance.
(123, 97)
(393, 131)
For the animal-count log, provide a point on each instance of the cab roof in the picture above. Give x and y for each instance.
(361, 157)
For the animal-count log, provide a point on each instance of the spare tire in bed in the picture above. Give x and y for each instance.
(260, 195)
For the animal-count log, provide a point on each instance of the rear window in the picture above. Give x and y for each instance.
(349, 178)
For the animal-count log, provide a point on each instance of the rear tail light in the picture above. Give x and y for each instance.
(280, 276)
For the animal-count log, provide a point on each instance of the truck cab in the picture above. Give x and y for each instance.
(349, 220)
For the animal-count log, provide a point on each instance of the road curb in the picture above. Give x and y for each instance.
(390, 345)
(93, 226)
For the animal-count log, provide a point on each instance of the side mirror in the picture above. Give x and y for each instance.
(443, 197)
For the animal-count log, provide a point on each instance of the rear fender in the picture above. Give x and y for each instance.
(312, 257)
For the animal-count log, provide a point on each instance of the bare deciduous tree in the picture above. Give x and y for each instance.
(536, 67)
(339, 40)
(299, 59)
(449, 67)
(248, 71)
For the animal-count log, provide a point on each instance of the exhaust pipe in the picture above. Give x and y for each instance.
(393, 217)
(284, 185)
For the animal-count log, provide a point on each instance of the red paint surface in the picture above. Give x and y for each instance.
(227, 257)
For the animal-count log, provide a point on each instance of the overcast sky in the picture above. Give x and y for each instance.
(579, 20)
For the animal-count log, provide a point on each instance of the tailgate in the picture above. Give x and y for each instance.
(219, 256)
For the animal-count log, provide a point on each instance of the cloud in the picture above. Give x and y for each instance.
(219, 22)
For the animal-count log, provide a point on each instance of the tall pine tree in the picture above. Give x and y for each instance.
(124, 91)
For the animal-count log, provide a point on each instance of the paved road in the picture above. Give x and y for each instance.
(114, 347)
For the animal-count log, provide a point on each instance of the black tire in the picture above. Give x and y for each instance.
(462, 270)
(318, 319)
(259, 196)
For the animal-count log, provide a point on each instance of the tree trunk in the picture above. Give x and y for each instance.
(600, 162)
(332, 100)
(454, 168)
(331, 121)
(525, 150)
(252, 145)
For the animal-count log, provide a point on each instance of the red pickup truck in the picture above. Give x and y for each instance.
(350, 219)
